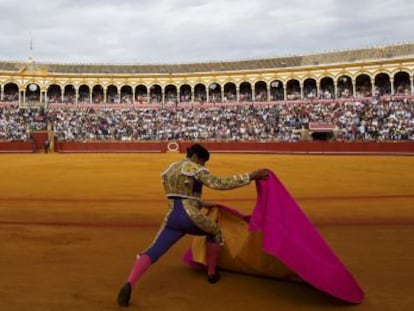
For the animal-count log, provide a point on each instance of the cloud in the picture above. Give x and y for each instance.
(175, 31)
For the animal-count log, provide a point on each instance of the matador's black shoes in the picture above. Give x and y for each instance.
(124, 295)
(214, 278)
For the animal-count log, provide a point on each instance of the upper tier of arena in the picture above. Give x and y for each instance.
(399, 51)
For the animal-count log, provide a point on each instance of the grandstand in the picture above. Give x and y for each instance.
(359, 95)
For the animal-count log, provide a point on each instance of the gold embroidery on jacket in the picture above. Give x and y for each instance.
(179, 181)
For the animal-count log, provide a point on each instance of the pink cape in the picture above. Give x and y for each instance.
(290, 237)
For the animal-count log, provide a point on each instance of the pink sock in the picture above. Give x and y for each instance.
(141, 265)
(212, 257)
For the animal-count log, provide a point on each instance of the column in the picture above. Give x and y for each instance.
(268, 93)
(318, 88)
(301, 90)
(222, 94)
(133, 95)
(1, 93)
(105, 99)
(45, 101)
(76, 95)
(284, 92)
(335, 94)
(90, 97)
(238, 93)
(253, 94)
(192, 94)
(178, 100)
(353, 88)
(392, 87)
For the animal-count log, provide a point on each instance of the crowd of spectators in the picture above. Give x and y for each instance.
(284, 121)
(16, 124)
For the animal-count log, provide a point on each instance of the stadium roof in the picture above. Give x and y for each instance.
(349, 56)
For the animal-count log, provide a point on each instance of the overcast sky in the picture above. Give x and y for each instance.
(183, 31)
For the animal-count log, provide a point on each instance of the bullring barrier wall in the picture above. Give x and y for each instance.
(315, 147)
(111, 146)
(16, 147)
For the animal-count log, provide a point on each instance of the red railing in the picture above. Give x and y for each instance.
(112, 146)
(245, 147)
(393, 148)
(16, 146)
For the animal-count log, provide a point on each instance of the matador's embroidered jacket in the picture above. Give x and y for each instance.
(184, 179)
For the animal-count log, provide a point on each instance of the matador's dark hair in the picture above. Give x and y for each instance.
(199, 150)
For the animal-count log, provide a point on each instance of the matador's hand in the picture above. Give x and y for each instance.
(259, 174)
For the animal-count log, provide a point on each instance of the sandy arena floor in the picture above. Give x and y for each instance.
(70, 226)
